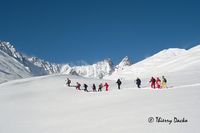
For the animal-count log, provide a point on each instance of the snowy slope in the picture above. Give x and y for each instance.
(11, 69)
(163, 63)
(46, 105)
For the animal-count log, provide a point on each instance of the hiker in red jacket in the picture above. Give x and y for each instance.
(106, 85)
(78, 86)
(152, 81)
(158, 83)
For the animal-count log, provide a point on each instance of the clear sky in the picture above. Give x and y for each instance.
(63, 31)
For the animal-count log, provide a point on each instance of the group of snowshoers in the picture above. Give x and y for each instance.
(157, 83)
(154, 82)
(94, 88)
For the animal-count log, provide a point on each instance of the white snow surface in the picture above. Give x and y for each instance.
(46, 105)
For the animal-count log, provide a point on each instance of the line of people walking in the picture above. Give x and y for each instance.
(154, 83)
(94, 88)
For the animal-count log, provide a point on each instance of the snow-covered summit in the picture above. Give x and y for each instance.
(10, 50)
(124, 63)
(171, 52)
(162, 57)
(196, 48)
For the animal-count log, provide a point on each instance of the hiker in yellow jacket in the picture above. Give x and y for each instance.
(164, 82)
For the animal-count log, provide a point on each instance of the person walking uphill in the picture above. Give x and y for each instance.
(138, 82)
(100, 87)
(164, 82)
(152, 81)
(85, 87)
(158, 82)
(68, 82)
(119, 82)
(78, 86)
(94, 88)
(106, 85)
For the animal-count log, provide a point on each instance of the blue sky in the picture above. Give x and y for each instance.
(64, 31)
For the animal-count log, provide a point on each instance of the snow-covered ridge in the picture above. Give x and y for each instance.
(10, 50)
(11, 69)
(34, 65)
(164, 62)
(49, 68)
(98, 70)
(37, 67)
(123, 64)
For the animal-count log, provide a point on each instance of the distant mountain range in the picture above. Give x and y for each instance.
(15, 65)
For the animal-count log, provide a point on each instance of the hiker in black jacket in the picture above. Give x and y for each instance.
(138, 82)
(119, 82)
(94, 88)
(85, 87)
